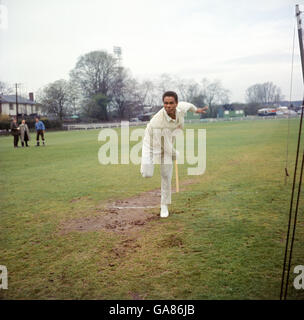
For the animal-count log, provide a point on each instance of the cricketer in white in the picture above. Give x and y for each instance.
(159, 140)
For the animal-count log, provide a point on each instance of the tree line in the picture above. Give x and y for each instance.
(100, 88)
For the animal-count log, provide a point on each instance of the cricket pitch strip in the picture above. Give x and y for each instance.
(121, 216)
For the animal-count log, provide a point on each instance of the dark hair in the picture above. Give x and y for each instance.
(170, 94)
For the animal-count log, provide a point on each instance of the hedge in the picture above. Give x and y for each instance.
(49, 124)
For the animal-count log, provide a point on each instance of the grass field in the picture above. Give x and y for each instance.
(224, 238)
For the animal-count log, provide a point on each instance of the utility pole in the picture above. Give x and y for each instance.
(16, 102)
(299, 24)
(293, 216)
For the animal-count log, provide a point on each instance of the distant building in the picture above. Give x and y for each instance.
(229, 112)
(25, 106)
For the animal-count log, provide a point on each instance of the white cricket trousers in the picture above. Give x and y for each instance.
(147, 169)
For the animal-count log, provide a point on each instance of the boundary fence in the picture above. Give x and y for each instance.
(88, 126)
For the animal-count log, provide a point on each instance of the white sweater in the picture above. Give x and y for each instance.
(163, 125)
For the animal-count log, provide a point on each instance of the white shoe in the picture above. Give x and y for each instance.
(164, 213)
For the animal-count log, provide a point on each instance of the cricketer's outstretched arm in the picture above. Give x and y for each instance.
(202, 110)
(186, 106)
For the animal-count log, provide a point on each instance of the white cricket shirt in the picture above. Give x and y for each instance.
(162, 125)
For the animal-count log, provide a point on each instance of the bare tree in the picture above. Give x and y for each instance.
(164, 83)
(128, 96)
(264, 93)
(214, 93)
(5, 88)
(206, 92)
(74, 97)
(149, 94)
(54, 98)
(121, 92)
(188, 90)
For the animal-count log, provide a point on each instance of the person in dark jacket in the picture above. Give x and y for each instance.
(15, 131)
(39, 125)
(24, 133)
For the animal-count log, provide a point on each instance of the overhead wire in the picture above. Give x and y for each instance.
(290, 97)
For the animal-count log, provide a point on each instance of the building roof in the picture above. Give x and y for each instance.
(11, 98)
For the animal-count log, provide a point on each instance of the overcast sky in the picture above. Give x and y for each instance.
(240, 42)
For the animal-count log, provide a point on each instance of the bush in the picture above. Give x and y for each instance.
(50, 124)
(5, 124)
(5, 117)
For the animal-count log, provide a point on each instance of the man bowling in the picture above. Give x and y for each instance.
(158, 143)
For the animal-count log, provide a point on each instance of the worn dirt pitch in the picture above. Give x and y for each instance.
(121, 216)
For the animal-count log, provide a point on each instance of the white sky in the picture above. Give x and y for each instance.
(240, 42)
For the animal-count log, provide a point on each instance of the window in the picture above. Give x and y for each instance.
(11, 106)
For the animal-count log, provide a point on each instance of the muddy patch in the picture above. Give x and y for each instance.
(115, 220)
(121, 216)
(146, 200)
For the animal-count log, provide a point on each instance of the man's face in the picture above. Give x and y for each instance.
(37, 120)
(170, 105)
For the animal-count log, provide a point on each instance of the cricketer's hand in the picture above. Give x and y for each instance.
(202, 110)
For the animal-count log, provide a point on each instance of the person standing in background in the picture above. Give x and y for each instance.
(39, 125)
(24, 133)
(15, 131)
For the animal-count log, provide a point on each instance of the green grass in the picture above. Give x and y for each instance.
(224, 239)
